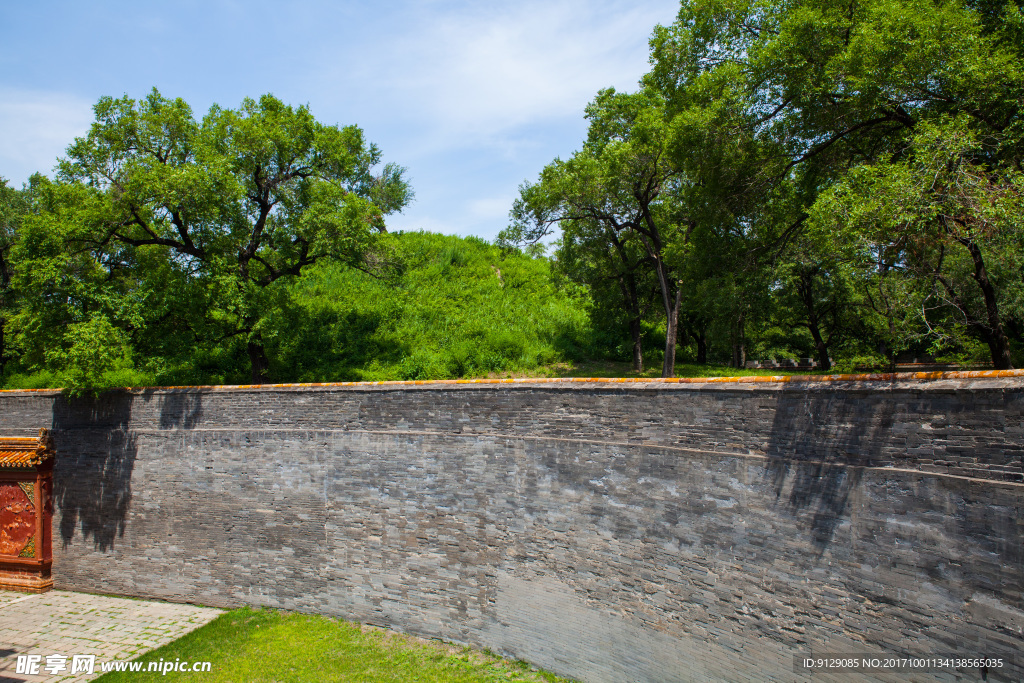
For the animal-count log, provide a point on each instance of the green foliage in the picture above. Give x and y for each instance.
(808, 178)
(458, 307)
(12, 210)
(806, 159)
(621, 205)
(938, 228)
(94, 353)
(461, 308)
(228, 208)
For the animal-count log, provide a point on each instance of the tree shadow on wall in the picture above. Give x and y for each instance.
(821, 488)
(817, 449)
(93, 470)
(181, 409)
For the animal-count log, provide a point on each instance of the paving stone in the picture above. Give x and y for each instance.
(68, 623)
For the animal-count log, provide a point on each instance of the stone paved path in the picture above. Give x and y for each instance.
(61, 622)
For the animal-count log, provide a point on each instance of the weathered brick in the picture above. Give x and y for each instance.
(606, 531)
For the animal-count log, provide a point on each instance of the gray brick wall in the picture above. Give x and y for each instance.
(609, 532)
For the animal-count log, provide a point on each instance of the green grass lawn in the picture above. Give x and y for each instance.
(264, 645)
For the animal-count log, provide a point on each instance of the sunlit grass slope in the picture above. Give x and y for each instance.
(460, 308)
(260, 646)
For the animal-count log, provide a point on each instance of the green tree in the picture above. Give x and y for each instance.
(949, 218)
(826, 86)
(616, 269)
(239, 201)
(815, 293)
(12, 210)
(69, 293)
(622, 187)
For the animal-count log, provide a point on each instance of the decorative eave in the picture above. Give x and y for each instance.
(26, 451)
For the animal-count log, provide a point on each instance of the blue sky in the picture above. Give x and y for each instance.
(472, 97)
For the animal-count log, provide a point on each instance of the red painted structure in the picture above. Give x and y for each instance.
(26, 512)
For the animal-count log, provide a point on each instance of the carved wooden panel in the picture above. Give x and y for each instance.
(17, 518)
(26, 511)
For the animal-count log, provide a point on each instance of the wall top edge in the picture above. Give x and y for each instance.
(871, 380)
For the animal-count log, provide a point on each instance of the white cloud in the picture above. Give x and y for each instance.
(461, 218)
(35, 129)
(472, 95)
(476, 74)
(496, 72)
(476, 96)
(490, 207)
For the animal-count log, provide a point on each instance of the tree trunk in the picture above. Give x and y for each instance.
(258, 362)
(653, 244)
(739, 355)
(820, 347)
(627, 285)
(998, 342)
(806, 290)
(668, 366)
(701, 338)
(890, 355)
(636, 332)
(739, 345)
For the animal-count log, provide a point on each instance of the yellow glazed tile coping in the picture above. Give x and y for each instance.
(755, 379)
(17, 459)
(26, 451)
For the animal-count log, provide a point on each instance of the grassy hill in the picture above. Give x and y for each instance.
(451, 307)
(460, 308)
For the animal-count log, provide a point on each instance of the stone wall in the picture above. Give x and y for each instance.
(607, 531)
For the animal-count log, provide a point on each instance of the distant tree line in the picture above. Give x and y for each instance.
(841, 179)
